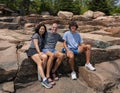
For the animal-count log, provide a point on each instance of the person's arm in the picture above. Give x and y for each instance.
(81, 44)
(60, 39)
(65, 42)
(81, 41)
(36, 46)
(65, 46)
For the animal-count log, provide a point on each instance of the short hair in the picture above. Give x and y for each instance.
(73, 23)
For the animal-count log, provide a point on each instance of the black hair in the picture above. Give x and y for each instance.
(73, 23)
(38, 27)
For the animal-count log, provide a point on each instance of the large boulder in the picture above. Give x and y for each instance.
(88, 14)
(80, 18)
(64, 85)
(6, 19)
(27, 71)
(115, 31)
(65, 14)
(8, 25)
(98, 14)
(106, 76)
(8, 64)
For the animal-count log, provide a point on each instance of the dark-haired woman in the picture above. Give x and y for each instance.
(35, 52)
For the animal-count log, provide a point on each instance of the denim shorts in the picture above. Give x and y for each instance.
(75, 51)
(49, 50)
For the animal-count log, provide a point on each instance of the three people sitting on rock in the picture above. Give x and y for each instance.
(42, 51)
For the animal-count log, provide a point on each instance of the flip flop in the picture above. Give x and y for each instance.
(51, 81)
(55, 77)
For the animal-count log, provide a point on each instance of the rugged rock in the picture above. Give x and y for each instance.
(96, 29)
(65, 14)
(106, 76)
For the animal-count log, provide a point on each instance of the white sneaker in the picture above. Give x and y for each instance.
(90, 67)
(73, 75)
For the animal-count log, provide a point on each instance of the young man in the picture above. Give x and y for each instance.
(73, 44)
(51, 40)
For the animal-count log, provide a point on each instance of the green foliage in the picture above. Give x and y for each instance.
(24, 7)
(106, 6)
(116, 11)
(47, 6)
(69, 5)
(35, 6)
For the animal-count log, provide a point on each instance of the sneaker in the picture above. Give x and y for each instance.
(73, 75)
(39, 77)
(46, 84)
(90, 67)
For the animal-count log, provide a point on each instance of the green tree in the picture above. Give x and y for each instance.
(47, 5)
(53, 6)
(68, 5)
(24, 6)
(106, 6)
(35, 6)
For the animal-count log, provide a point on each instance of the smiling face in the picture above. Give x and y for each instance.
(41, 30)
(54, 28)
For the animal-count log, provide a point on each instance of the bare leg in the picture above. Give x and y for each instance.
(88, 53)
(59, 57)
(70, 55)
(38, 61)
(87, 50)
(44, 60)
(49, 63)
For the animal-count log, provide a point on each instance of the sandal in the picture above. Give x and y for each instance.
(51, 81)
(55, 77)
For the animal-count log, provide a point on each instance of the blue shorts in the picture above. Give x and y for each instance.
(49, 50)
(75, 51)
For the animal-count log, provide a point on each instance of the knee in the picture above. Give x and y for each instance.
(52, 55)
(40, 63)
(44, 57)
(88, 46)
(60, 56)
(71, 56)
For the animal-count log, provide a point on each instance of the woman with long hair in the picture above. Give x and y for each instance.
(35, 52)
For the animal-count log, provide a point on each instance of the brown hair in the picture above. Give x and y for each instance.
(73, 23)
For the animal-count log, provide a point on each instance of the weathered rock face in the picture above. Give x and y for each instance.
(106, 76)
(102, 33)
(8, 64)
(64, 85)
(89, 14)
(26, 73)
(65, 14)
(10, 61)
(8, 87)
